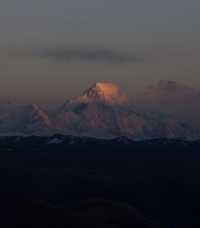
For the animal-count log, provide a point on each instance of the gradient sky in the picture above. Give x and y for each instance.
(162, 37)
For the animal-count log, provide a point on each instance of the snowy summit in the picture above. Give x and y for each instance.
(103, 92)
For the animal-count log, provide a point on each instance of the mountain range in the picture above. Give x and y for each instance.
(104, 111)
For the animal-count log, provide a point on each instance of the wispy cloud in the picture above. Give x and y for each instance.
(106, 56)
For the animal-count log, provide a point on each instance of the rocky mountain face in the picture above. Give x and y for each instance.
(24, 120)
(101, 111)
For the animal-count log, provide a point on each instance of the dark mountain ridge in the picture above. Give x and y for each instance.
(87, 148)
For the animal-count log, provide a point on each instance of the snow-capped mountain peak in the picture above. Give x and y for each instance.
(102, 92)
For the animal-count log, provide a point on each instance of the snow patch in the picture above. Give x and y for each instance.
(55, 141)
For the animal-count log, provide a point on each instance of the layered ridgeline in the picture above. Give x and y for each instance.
(101, 111)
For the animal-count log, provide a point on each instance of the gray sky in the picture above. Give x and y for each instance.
(35, 21)
(162, 37)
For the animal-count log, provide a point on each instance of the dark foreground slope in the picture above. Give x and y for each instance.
(70, 181)
(95, 213)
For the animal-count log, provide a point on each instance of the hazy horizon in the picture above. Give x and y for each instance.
(53, 50)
